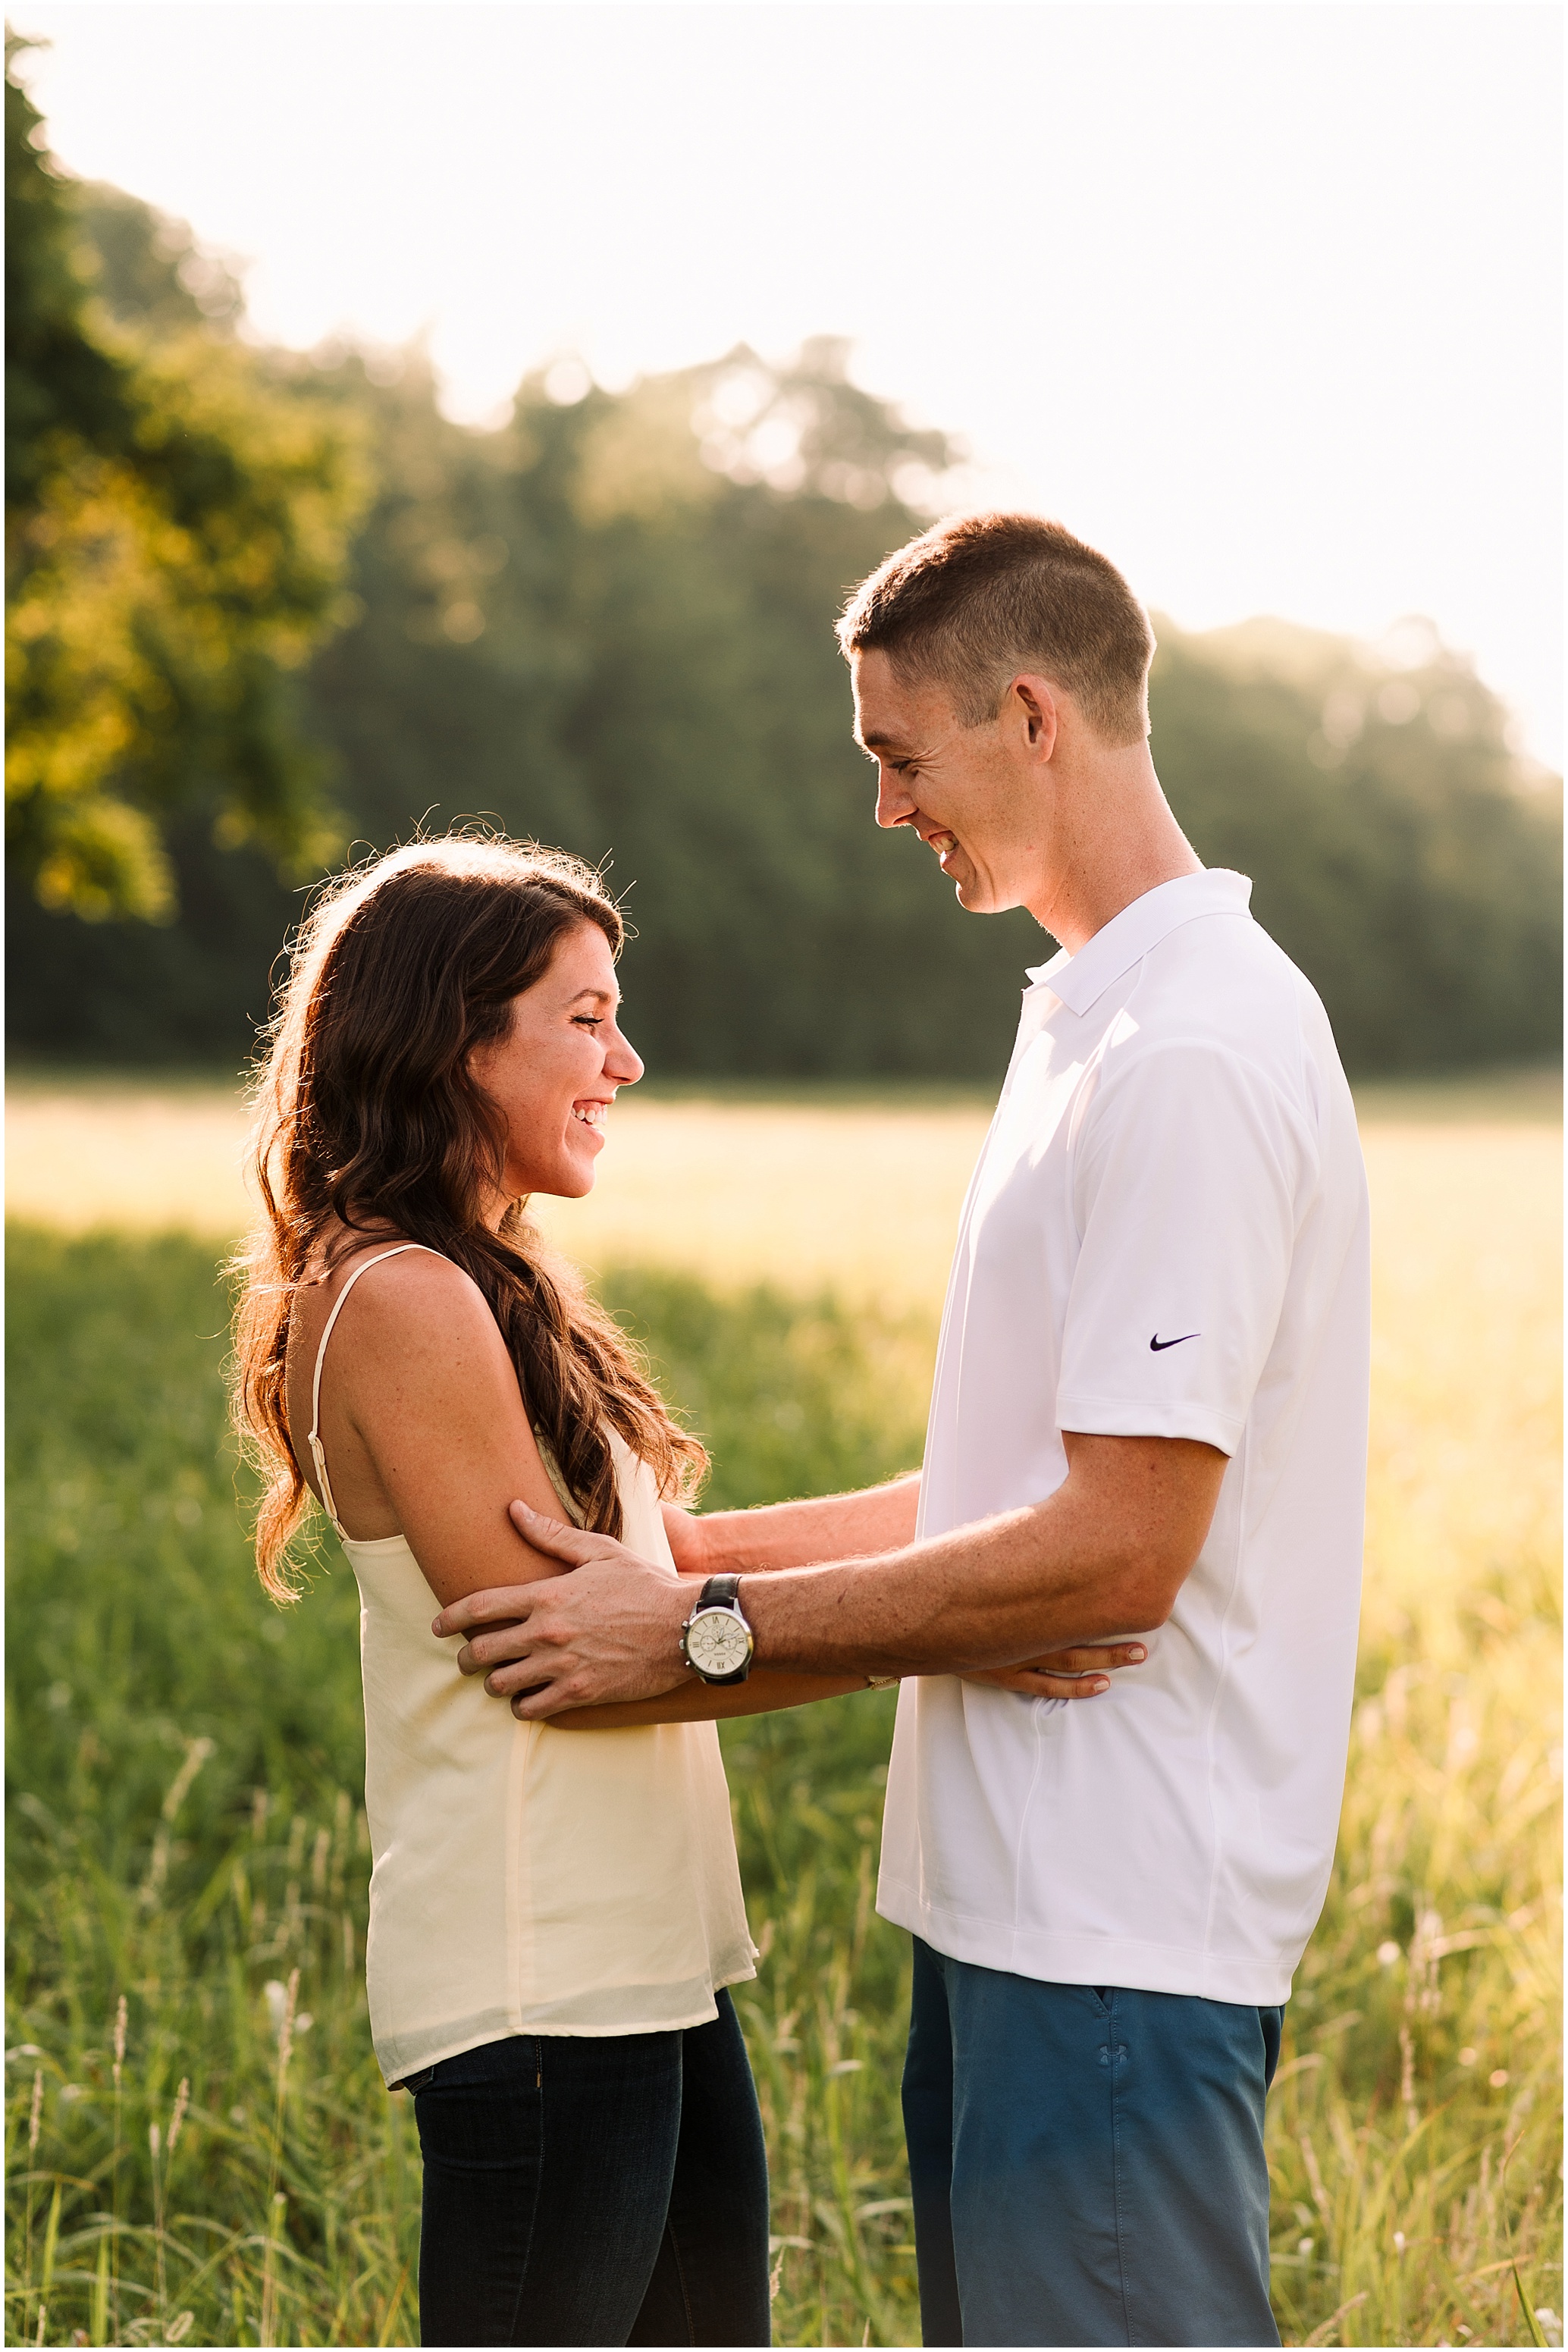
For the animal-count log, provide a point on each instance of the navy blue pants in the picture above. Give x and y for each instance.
(611, 2189)
(1086, 2164)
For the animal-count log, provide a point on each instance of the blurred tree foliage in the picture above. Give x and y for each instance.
(608, 625)
(1402, 854)
(176, 528)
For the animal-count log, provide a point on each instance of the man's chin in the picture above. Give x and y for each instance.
(979, 897)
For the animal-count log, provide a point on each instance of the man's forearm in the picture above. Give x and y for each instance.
(791, 1534)
(1007, 1589)
(1103, 1558)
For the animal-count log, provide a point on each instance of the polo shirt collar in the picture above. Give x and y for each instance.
(1080, 979)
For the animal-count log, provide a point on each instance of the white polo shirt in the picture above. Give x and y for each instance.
(1166, 1236)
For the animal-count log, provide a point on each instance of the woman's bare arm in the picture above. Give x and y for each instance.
(423, 1423)
(1083, 1672)
(794, 1535)
(695, 1701)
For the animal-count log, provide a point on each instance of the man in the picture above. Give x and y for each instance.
(1149, 1416)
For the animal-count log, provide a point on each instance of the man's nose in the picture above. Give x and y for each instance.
(894, 805)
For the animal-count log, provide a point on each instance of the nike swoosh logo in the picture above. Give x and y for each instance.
(1158, 1346)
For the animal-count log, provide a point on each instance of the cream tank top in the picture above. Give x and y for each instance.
(526, 1879)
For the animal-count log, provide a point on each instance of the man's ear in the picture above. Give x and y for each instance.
(1035, 703)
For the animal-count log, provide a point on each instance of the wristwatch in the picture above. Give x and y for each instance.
(716, 1641)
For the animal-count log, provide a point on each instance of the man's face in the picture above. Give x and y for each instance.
(972, 794)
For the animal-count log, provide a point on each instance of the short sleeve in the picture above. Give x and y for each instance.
(1189, 1176)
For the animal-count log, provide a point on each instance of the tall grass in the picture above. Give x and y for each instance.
(200, 2149)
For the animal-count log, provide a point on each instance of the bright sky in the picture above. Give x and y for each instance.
(1261, 298)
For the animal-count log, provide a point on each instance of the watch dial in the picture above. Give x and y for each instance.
(717, 1642)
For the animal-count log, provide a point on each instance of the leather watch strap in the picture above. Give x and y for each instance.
(720, 1592)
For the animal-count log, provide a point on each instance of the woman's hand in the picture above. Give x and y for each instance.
(1066, 1673)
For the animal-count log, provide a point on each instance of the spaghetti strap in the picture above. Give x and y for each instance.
(313, 1438)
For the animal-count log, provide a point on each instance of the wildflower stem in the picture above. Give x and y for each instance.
(276, 2202)
(120, 2024)
(33, 2119)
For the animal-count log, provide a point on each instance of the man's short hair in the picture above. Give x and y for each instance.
(974, 600)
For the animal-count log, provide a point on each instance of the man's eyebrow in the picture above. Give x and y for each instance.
(875, 742)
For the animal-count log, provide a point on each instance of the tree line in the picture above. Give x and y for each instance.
(267, 610)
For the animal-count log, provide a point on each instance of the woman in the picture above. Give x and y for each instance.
(554, 1920)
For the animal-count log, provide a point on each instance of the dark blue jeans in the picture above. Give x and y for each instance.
(1086, 2165)
(608, 2190)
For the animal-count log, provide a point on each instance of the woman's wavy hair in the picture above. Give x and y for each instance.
(365, 1111)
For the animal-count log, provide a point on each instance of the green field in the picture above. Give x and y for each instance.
(185, 1831)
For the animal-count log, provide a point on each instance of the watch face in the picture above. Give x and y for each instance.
(717, 1642)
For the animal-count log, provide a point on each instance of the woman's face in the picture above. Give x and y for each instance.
(555, 1073)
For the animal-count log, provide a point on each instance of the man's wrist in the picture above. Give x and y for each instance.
(716, 1641)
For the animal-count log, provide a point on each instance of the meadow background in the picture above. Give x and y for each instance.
(200, 2148)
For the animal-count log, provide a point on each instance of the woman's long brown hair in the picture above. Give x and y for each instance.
(366, 1112)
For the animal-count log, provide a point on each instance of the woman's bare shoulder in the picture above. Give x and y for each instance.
(404, 1296)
